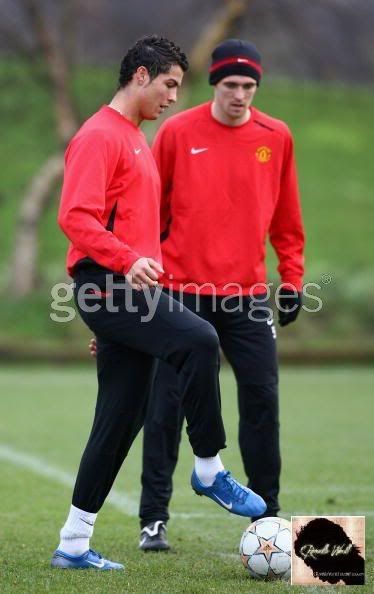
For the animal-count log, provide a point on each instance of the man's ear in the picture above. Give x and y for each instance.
(141, 75)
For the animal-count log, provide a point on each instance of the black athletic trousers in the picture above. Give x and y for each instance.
(128, 342)
(250, 347)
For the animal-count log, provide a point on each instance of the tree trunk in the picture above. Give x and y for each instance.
(24, 259)
(23, 272)
(217, 30)
(57, 66)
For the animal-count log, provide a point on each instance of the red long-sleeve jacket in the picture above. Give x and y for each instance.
(224, 190)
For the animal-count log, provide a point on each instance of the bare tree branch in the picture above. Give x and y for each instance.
(24, 259)
(68, 26)
(23, 277)
(58, 70)
(217, 29)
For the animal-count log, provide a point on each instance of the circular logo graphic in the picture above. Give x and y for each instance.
(263, 154)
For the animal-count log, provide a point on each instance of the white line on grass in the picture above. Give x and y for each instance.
(42, 468)
(122, 502)
(329, 489)
(39, 466)
(317, 490)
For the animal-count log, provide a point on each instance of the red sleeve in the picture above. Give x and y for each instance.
(286, 229)
(163, 149)
(89, 167)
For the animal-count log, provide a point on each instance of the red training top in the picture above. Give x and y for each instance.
(223, 191)
(111, 194)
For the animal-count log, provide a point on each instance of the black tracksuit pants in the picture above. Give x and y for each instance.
(250, 347)
(128, 342)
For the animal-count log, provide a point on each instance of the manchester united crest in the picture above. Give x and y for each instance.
(263, 154)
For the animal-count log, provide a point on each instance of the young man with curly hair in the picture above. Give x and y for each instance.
(110, 213)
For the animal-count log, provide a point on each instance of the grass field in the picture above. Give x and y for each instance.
(45, 416)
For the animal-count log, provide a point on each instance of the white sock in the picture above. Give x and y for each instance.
(207, 468)
(76, 533)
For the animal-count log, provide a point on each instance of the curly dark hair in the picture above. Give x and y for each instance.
(157, 54)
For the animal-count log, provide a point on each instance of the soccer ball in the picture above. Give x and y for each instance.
(265, 549)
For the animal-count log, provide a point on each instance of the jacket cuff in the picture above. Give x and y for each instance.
(124, 260)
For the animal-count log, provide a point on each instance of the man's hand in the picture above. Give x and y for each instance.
(144, 273)
(93, 347)
(289, 303)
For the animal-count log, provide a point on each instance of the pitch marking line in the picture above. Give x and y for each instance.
(38, 466)
(119, 501)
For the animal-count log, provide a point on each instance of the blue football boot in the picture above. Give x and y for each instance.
(231, 495)
(89, 560)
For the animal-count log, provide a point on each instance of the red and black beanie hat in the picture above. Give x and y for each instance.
(234, 56)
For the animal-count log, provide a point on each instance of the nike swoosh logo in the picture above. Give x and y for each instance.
(152, 531)
(226, 505)
(85, 521)
(137, 151)
(196, 151)
(99, 565)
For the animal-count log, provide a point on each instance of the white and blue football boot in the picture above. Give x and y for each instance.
(89, 560)
(231, 495)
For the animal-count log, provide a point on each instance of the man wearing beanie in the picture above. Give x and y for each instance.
(235, 57)
(228, 184)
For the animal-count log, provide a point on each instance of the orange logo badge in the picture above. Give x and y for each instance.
(263, 154)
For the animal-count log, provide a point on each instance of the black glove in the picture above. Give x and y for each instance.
(289, 305)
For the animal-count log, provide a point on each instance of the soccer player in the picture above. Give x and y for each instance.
(110, 213)
(228, 182)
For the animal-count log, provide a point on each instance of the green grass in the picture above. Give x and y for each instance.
(46, 413)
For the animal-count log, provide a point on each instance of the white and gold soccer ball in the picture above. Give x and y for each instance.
(265, 549)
